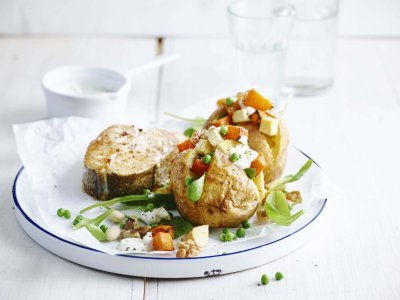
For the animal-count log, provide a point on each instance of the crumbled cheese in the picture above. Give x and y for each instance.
(155, 216)
(131, 245)
(148, 241)
(244, 139)
(246, 155)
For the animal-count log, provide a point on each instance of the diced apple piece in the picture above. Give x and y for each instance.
(240, 116)
(269, 126)
(259, 181)
(199, 235)
(214, 136)
(226, 145)
(204, 147)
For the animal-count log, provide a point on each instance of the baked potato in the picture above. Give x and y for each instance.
(229, 193)
(266, 132)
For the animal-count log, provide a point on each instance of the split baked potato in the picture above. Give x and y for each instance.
(229, 193)
(267, 132)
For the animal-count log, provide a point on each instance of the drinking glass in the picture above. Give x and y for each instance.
(260, 31)
(309, 66)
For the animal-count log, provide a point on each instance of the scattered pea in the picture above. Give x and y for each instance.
(122, 225)
(240, 233)
(222, 237)
(224, 130)
(229, 101)
(234, 157)
(230, 236)
(60, 212)
(225, 230)
(264, 279)
(207, 159)
(246, 224)
(103, 228)
(278, 276)
(212, 153)
(67, 214)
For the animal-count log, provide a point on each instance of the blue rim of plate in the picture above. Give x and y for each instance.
(16, 202)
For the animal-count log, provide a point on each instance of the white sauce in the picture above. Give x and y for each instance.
(246, 155)
(75, 89)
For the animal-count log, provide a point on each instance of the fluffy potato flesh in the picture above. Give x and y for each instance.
(229, 197)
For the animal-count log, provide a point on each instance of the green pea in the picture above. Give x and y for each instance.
(240, 233)
(149, 207)
(67, 214)
(222, 237)
(229, 101)
(103, 228)
(230, 236)
(234, 157)
(122, 225)
(60, 212)
(246, 225)
(189, 132)
(223, 130)
(278, 276)
(250, 172)
(264, 279)
(225, 230)
(207, 159)
(212, 154)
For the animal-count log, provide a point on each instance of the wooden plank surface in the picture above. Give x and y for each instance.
(26, 270)
(172, 18)
(350, 131)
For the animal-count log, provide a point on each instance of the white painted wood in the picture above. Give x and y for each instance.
(352, 131)
(26, 270)
(187, 18)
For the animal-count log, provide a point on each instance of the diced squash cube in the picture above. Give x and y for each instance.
(256, 100)
(259, 163)
(163, 241)
(235, 132)
(269, 126)
(222, 121)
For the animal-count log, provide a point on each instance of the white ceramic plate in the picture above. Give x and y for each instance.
(232, 257)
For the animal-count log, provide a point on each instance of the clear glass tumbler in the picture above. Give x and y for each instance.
(309, 66)
(260, 31)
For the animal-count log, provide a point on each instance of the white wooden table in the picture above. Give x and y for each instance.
(353, 132)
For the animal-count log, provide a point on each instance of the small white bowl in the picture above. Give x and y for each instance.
(83, 91)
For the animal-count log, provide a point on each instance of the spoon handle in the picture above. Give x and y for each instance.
(156, 62)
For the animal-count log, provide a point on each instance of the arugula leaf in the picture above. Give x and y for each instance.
(189, 132)
(197, 123)
(181, 226)
(280, 183)
(278, 210)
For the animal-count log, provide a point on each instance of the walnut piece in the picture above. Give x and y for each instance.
(187, 248)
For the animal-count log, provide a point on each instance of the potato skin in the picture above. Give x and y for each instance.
(274, 148)
(229, 197)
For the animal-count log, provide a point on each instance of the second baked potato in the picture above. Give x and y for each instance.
(267, 133)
